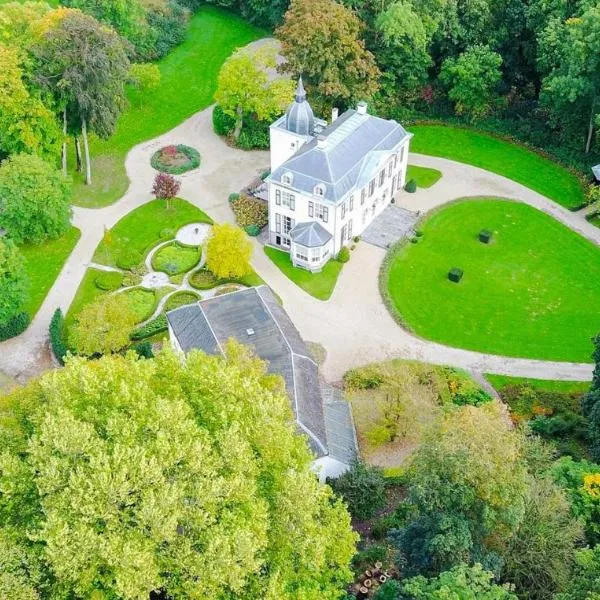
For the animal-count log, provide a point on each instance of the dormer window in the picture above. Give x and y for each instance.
(319, 190)
(287, 178)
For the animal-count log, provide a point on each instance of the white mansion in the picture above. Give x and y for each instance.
(328, 182)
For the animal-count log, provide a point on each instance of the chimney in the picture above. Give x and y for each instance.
(361, 108)
(334, 114)
(321, 141)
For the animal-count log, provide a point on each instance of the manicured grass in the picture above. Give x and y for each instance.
(43, 263)
(319, 285)
(175, 259)
(141, 229)
(501, 157)
(188, 83)
(532, 292)
(564, 387)
(423, 176)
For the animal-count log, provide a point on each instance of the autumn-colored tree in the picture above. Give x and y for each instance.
(120, 477)
(320, 40)
(18, 22)
(244, 87)
(166, 187)
(26, 124)
(228, 252)
(103, 326)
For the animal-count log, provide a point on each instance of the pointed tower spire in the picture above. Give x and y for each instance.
(300, 91)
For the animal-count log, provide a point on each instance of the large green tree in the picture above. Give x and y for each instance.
(321, 40)
(466, 492)
(244, 87)
(472, 79)
(26, 124)
(34, 199)
(13, 280)
(119, 477)
(85, 66)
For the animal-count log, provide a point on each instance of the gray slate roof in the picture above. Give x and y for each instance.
(299, 117)
(310, 235)
(355, 144)
(254, 318)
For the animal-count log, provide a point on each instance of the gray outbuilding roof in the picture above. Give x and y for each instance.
(310, 235)
(254, 318)
(354, 145)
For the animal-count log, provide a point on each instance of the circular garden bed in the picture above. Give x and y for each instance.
(175, 160)
(181, 299)
(204, 280)
(174, 259)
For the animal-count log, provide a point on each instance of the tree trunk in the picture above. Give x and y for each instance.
(588, 144)
(78, 153)
(238, 123)
(86, 148)
(64, 144)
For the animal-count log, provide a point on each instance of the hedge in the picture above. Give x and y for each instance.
(250, 211)
(14, 326)
(57, 336)
(151, 328)
(109, 281)
(159, 163)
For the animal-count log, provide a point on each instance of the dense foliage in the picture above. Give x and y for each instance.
(13, 281)
(228, 252)
(120, 477)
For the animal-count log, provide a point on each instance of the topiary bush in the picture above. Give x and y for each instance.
(455, 275)
(14, 326)
(109, 281)
(57, 336)
(363, 489)
(176, 258)
(411, 186)
(344, 255)
(151, 328)
(234, 197)
(144, 350)
(485, 236)
(203, 280)
(128, 259)
(222, 124)
(250, 211)
(175, 160)
(253, 230)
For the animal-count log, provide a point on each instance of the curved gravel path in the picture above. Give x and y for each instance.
(354, 326)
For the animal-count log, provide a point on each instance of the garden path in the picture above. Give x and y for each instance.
(354, 325)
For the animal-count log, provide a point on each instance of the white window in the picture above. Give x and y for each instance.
(277, 222)
(322, 212)
(381, 177)
(288, 225)
(288, 200)
(278, 197)
(350, 229)
(287, 178)
(343, 209)
(311, 209)
(390, 168)
(319, 190)
(395, 160)
(363, 195)
(371, 187)
(402, 153)
(301, 253)
(315, 255)
(351, 202)
(365, 215)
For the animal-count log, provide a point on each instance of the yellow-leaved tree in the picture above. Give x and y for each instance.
(228, 252)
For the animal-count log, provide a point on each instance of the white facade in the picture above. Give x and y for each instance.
(382, 175)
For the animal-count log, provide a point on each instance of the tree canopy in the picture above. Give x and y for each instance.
(13, 280)
(34, 199)
(228, 252)
(123, 476)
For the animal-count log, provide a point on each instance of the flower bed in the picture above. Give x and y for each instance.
(203, 280)
(175, 259)
(175, 159)
(249, 212)
(180, 299)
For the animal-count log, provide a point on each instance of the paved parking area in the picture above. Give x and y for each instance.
(393, 224)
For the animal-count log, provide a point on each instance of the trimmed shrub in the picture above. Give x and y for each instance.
(250, 211)
(455, 274)
(180, 299)
(203, 280)
(253, 230)
(144, 350)
(222, 124)
(344, 255)
(265, 174)
(151, 328)
(175, 160)
(234, 197)
(485, 236)
(14, 326)
(57, 336)
(128, 259)
(363, 489)
(109, 281)
(411, 186)
(363, 378)
(356, 239)
(175, 259)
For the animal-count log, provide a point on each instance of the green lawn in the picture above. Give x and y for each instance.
(595, 220)
(533, 292)
(188, 83)
(43, 263)
(564, 387)
(511, 160)
(141, 229)
(423, 176)
(320, 285)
